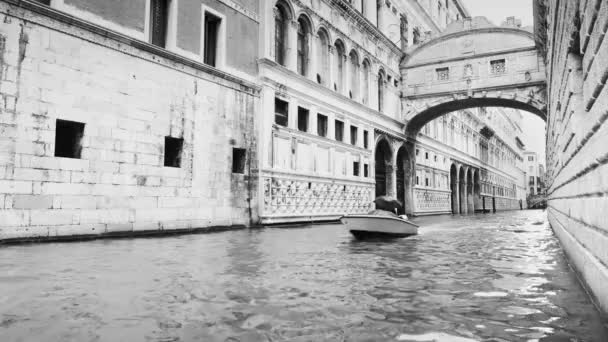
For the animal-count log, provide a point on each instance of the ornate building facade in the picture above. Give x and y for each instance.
(481, 141)
(330, 78)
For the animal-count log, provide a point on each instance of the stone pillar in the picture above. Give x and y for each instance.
(312, 58)
(312, 120)
(292, 46)
(391, 180)
(331, 126)
(457, 194)
(292, 119)
(373, 91)
(465, 209)
(348, 69)
(346, 131)
(329, 78)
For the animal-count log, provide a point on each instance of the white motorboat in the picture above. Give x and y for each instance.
(379, 226)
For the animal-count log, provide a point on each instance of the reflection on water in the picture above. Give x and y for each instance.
(487, 277)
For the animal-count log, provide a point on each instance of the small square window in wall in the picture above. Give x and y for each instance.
(281, 109)
(173, 151)
(302, 119)
(426, 155)
(68, 138)
(443, 74)
(356, 169)
(239, 158)
(498, 66)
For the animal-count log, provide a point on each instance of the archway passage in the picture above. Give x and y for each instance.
(454, 189)
(404, 185)
(382, 169)
(472, 64)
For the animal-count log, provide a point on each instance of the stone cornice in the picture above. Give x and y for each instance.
(461, 91)
(170, 57)
(468, 57)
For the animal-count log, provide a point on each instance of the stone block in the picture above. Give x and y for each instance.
(53, 217)
(33, 202)
(15, 187)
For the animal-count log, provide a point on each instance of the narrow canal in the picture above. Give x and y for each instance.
(493, 277)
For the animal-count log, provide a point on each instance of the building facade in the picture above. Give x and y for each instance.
(127, 116)
(161, 115)
(572, 36)
(484, 140)
(331, 135)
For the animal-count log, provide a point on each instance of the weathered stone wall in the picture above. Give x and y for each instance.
(577, 137)
(130, 96)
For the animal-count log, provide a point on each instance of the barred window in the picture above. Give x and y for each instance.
(497, 66)
(443, 74)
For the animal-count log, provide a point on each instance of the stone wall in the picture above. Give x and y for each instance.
(129, 96)
(577, 136)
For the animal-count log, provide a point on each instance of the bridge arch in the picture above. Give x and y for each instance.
(472, 64)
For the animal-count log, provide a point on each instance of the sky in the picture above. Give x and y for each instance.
(496, 11)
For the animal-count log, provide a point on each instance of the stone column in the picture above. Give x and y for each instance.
(348, 69)
(312, 58)
(292, 118)
(457, 194)
(465, 196)
(329, 78)
(391, 180)
(292, 46)
(312, 120)
(373, 91)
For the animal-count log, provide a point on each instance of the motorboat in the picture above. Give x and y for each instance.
(379, 224)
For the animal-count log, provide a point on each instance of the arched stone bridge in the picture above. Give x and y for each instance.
(472, 64)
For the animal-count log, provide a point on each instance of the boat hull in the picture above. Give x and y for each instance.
(374, 226)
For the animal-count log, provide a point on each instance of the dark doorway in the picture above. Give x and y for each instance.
(382, 158)
(403, 178)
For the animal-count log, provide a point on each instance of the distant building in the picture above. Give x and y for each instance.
(535, 173)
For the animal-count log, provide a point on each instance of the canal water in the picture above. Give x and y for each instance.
(487, 277)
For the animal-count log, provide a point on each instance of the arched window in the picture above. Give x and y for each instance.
(338, 84)
(366, 70)
(381, 91)
(281, 20)
(323, 57)
(303, 41)
(354, 75)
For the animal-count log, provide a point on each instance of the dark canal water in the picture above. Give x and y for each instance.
(493, 277)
